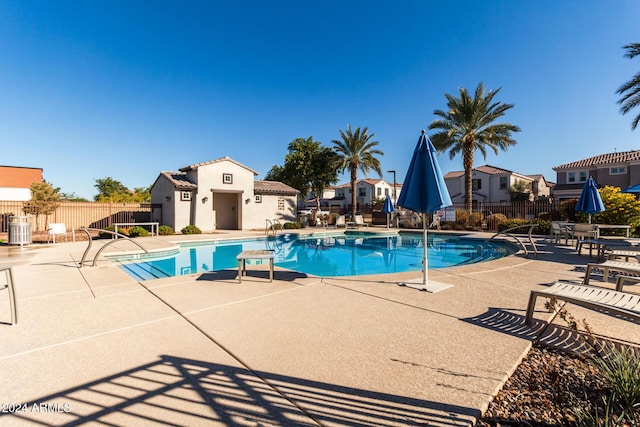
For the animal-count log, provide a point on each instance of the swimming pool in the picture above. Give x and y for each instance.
(337, 254)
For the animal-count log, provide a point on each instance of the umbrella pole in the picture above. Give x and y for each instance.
(425, 262)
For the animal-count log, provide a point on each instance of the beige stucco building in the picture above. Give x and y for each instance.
(221, 194)
(620, 169)
(492, 184)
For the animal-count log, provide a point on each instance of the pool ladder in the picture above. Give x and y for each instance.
(271, 226)
(522, 244)
(113, 233)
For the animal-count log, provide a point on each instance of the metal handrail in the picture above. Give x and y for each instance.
(506, 233)
(95, 260)
(271, 225)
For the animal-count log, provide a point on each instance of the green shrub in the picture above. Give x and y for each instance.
(543, 228)
(165, 230)
(191, 229)
(138, 231)
(509, 223)
(494, 220)
(475, 219)
(291, 225)
(620, 367)
(568, 210)
(545, 216)
(102, 235)
(462, 217)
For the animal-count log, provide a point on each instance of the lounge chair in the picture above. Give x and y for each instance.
(341, 222)
(626, 280)
(601, 299)
(359, 221)
(626, 268)
(626, 253)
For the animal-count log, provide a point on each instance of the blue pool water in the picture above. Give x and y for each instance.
(343, 254)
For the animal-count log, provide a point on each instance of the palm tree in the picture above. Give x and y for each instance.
(630, 91)
(468, 125)
(356, 151)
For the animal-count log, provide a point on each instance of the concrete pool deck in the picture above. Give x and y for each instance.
(92, 345)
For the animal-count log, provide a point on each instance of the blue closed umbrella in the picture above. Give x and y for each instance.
(634, 189)
(590, 201)
(388, 208)
(424, 191)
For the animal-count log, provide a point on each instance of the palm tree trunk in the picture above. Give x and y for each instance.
(354, 178)
(467, 160)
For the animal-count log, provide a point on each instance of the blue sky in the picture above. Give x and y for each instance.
(127, 89)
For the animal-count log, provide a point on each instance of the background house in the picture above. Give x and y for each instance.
(15, 182)
(492, 184)
(615, 169)
(221, 194)
(367, 190)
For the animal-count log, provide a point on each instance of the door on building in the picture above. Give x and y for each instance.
(225, 206)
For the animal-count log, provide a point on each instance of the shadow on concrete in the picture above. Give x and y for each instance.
(174, 391)
(286, 275)
(541, 332)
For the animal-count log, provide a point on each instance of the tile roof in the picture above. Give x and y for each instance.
(273, 187)
(454, 174)
(602, 159)
(221, 159)
(179, 180)
(488, 169)
(492, 170)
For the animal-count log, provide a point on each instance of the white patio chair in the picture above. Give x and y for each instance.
(359, 221)
(56, 229)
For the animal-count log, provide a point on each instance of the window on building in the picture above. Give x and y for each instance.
(362, 192)
(574, 177)
(185, 195)
(583, 176)
(476, 184)
(258, 198)
(620, 170)
(379, 191)
(504, 181)
(280, 203)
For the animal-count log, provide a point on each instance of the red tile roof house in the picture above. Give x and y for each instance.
(615, 169)
(491, 184)
(221, 194)
(15, 182)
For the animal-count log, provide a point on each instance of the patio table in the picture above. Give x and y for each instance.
(626, 228)
(254, 254)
